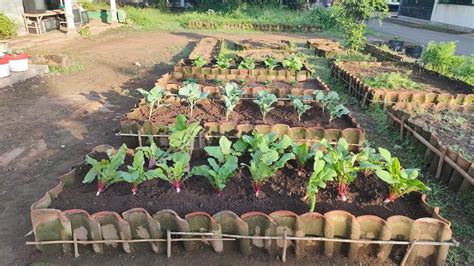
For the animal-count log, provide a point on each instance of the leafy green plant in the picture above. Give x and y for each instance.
(320, 176)
(293, 83)
(247, 63)
(256, 141)
(191, 93)
(343, 162)
(231, 95)
(293, 63)
(223, 61)
(337, 111)
(153, 153)
(265, 100)
(243, 82)
(218, 82)
(266, 159)
(105, 170)
(190, 80)
(182, 135)
(7, 27)
(199, 61)
(175, 174)
(153, 98)
(324, 100)
(222, 166)
(303, 153)
(401, 181)
(270, 63)
(267, 83)
(136, 172)
(369, 160)
(392, 80)
(354, 56)
(300, 107)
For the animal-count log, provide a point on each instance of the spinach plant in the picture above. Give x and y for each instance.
(176, 173)
(222, 165)
(303, 153)
(265, 100)
(293, 63)
(401, 181)
(182, 135)
(270, 63)
(320, 176)
(154, 97)
(199, 61)
(223, 62)
(105, 170)
(231, 95)
(191, 94)
(136, 172)
(247, 63)
(299, 105)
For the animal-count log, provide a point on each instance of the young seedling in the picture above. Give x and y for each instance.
(222, 166)
(199, 61)
(191, 94)
(218, 82)
(190, 80)
(182, 135)
(299, 105)
(303, 154)
(153, 98)
(265, 100)
(337, 111)
(223, 62)
(293, 83)
(136, 172)
(270, 63)
(243, 82)
(176, 173)
(153, 153)
(258, 141)
(293, 63)
(105, 170)
(267, 83)
(320, 176)
(247, 63)
(332, 98)
(231, 95)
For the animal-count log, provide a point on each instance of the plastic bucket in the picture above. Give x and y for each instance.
(18, 63)
(4, 67)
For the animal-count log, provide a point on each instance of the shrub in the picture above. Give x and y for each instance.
(7, 27)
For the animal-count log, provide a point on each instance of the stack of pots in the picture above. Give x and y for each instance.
(13, 63)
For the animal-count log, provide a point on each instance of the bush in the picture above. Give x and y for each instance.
(7, 27)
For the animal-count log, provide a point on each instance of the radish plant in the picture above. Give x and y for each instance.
(337, 111)
(231, 94)
(199, 61)
(105, 170)
(293, 63)
(303, 153)
(369, 160)
(265, 100)
(182, 135)
(299, 105)
(401, 181)
(191, 93)
(258, 141)
(270, 62)
(153, 153)
(136, 172)
(154, 97)
(247, 63)
(175, 174)
(320, 176)
(223, 61)
(221, 167)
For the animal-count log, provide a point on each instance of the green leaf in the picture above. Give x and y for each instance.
(225, 145)
(215, 152)
(386, 177)
(385, 154)
(90, 176)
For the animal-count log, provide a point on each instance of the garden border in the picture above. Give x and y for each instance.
(195, 24)
(388, 97)
(320, 50)
(368, 235)
(450, 167)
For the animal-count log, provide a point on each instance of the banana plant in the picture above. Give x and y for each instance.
(300, 106)
(175, 174)
(222, 165)
(231, 95)
(265, 100)
(293, 63)
(401, 181)
(337, 111)
(223, 61)
(105, 170)
(247, 63)
(320, 176)
(191, 94)
(153, 98)
(303, 153)
(270, 62)
(199, 61)
(153, 153)
(136, 173)
(182, 135)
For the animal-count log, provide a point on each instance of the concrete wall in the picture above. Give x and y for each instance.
(13, 9)
(459, 15)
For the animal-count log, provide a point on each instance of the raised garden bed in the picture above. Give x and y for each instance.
(209, 48)
(325, 48)
(63, 214)
(250, 86)
(444, 134)
(431, 88)
(252, 26)
(385, 54)
(255, 44)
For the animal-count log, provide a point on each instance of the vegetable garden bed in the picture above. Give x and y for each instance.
(209, 48)
(386, 54)
(251, 26)
(421, 86)
(255, 44)
(325, 48)
(444, 134)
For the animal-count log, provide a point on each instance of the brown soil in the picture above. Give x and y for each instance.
(262, 44)
(245, 113)
(286, 192)
(430, 83)
(276, 84)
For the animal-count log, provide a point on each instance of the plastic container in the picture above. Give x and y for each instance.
(18, 62)
(396, 45)
(4, 67)
(414, 51)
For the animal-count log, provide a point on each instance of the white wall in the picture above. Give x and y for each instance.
(459, 15)
(13, 9)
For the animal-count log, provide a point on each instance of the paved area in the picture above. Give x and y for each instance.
(465, 42)
(15, 77)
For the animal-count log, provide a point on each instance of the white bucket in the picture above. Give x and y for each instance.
(18, 63)
(4, 68)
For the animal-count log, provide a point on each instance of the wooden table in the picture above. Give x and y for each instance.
(37, 18)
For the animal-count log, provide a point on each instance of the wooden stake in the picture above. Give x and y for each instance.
(407, 253)
(76, 248)
(139, 138)
(285, 235)
(441, 162)
(168, 243)
(402, 125)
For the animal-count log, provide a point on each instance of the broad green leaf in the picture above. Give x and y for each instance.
(385, 154)
(90, 176)
(386, 176)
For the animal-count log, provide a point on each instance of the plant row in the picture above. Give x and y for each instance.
(267, 153)
(232, 94)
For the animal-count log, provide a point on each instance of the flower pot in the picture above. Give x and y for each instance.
(18, 63)
(414, 51)
(396, 45)
(4, 68)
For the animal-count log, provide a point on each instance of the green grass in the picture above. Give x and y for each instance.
(74, 68)
(392, 80)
